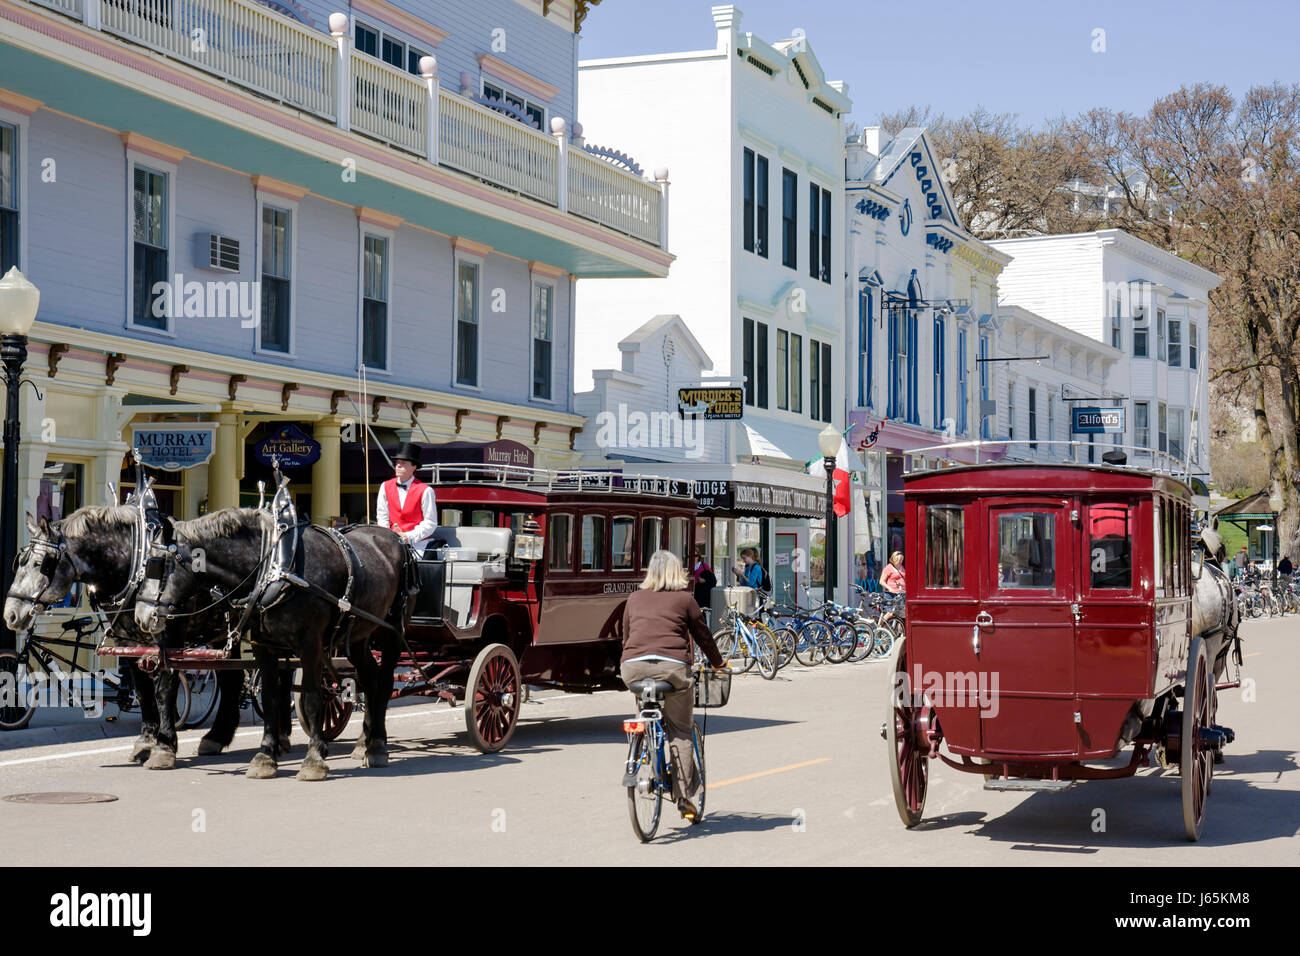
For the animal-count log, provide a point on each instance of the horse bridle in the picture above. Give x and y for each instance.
(52, 556)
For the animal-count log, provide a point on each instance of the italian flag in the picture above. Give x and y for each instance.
(840, 477)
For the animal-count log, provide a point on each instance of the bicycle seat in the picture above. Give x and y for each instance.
(660, 688)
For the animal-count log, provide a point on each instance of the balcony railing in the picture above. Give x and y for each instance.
(266, 52)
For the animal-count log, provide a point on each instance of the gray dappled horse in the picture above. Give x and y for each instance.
(95, 546)
(298, 621)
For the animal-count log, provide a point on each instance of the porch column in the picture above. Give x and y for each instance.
(223, 481)
(325, 473)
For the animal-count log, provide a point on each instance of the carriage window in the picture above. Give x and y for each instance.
(1157, 536)
(1110, 545)
(482, 519)
(1026, 550)
(651, 535)
(450, 517)
(593, 543)
(622, 543)
(561, 543)
(944, 534)
(679, 539)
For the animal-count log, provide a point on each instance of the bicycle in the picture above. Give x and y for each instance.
(38, 663)
(649, 773)
(748, 641)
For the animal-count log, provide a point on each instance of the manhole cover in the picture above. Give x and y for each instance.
(60, 797)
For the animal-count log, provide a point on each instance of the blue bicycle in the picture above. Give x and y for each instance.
(649, 774)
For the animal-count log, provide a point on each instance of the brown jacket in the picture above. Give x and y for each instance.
(664, 622)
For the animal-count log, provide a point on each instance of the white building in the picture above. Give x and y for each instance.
(752, 134)
(1150, 306)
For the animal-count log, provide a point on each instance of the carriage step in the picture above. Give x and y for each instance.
(1016, 783)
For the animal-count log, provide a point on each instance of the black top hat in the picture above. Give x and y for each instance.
(409, 452)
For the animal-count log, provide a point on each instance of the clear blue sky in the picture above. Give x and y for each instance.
(1031, 57)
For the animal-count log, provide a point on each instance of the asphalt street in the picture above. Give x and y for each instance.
(797, 775)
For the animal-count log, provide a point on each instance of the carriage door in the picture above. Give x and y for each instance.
(1026, 625)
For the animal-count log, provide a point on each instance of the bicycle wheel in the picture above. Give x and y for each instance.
(183, 699)
(734, 651)
(645, 798)
(698, 742)
(844, 641)
(203, 699)
(1256, 608)
(786, 642)
(17, 690)
(765, 652)
(811, 649)
(866, 642)
(883, 641)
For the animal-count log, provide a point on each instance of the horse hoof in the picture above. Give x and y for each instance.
(376, 758)
(313, 770)
(208, 746)
(261, 767)
(359, 751)
(161, 759)
(141, 747)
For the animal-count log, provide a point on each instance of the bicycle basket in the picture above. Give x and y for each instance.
(712, 689)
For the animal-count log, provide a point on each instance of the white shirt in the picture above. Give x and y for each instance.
(419, 536)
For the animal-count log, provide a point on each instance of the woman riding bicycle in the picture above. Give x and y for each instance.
(661, 625)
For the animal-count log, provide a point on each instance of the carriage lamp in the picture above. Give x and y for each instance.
(18, 302)
(828, 441)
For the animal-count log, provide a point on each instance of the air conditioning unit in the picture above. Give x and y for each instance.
(219, 253)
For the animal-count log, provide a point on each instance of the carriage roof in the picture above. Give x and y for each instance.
(538, 488)
(1029, 478)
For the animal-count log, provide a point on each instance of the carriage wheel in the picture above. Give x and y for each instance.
(909, 768)
(336, 710)
(492, 696)
(1196, 761)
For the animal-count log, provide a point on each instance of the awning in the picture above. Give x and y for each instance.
(759, 498)
(772, 439)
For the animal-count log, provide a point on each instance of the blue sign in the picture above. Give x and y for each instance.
(291, 445)
(1097, 421)
(174, 447)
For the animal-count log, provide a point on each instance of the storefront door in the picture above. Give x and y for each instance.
(783, 569)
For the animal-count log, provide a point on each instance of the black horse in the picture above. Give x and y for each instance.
(94, 546)
(226, 550)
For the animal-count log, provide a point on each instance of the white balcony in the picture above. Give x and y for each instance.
(265, 52)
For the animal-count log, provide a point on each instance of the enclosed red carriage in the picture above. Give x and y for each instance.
(1050, 626)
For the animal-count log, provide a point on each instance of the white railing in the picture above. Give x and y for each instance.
(389, 104)
(483, 143)
(72, 8)
(243, 42)
(1073, 452)
(612, 197)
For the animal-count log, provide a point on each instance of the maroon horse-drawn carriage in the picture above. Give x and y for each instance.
(1057, 614)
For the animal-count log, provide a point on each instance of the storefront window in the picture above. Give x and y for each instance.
(722, 553)
(817, 553)
(60, 493)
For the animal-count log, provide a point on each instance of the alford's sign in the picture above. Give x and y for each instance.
(1097, 421)
(712, 404)
(174, 447)
(291, 445)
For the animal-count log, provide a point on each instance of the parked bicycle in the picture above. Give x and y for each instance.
(744, 640)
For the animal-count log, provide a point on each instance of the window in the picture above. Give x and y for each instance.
(367, 40)
(1116, 326)
(1110, 557)
(1175, 344)
(392, 50)
(374, 308)
(150, 211)
(1160, 334)
(1033, 418)
(760, 237)
(826, 236)
(275, 279)
(466, 323)
(963, 398)
(944, 535)
(1011, 410)
(986, 428)
(789, 219)
(1158, 539)
(820, 374)
(938, 374)
(1177, 439)
(819, 232)
(651, 535)
(1026, 550)
(1142, 424)
(534, 114)
(679, 539)
(796, 373)
(621, 543)
(1192, 356)
(755, 362)
(782, 369)
(1139, 340)
(560, 543)
(1051, 418)
(8, 197)
(902, 372)
(543, 337)
(865, 327)
(1164, 430)
(593, 543)
(747, 224)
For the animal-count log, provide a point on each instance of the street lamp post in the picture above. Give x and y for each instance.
(828, 442)
(18, 302)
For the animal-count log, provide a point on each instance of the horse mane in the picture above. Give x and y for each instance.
(223, 523)
(97, 517)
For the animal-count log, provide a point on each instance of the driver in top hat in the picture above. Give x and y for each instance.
(406, 504)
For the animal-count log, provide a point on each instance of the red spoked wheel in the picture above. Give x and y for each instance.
(492, 697)
(909, 765)
(338, 694)
(1196, 761)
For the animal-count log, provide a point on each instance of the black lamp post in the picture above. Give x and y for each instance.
(828, 442)
(18, 302)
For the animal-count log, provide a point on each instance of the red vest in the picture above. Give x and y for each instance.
(407, 516)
